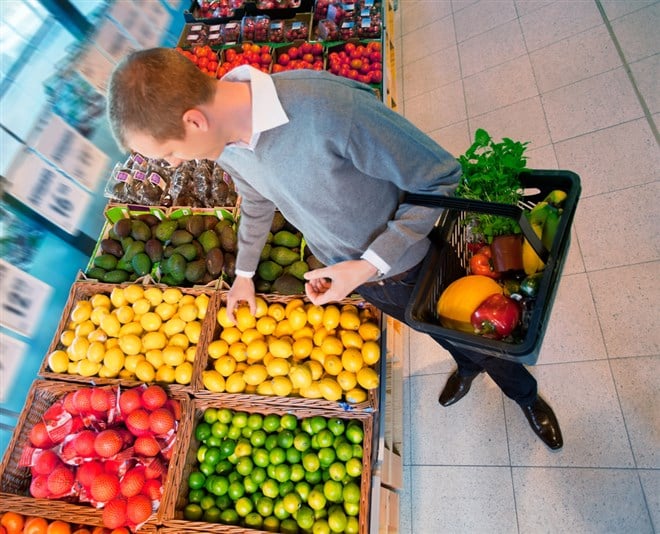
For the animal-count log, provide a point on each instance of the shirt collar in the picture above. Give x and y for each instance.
(267, 111)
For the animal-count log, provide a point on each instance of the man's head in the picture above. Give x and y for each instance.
(151, 91)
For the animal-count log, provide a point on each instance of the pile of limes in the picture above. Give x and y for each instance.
(297, 348)
(134, 332)
(276, 473)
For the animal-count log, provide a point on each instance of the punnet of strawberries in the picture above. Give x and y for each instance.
(106, 446)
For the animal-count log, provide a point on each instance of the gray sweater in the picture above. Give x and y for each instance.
(337, 171)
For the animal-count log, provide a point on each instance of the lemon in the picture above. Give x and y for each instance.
(369, 331)
(174, 326)
(217, 348)
(305, 331)
(349, 319)
(183, 373)
(88, 368)
(153, 340)
(133, 328)
(315, 315)
(81, 311)
(249, 335)
(58, 361)
(154, 357)
(202, 304)
(356, 395)
(235, 383)
(351, 360)
(100, 300)
(97, 335)
(125, 374)
(133, 293)
(256, 350)
(300, 376)
(165, 374)
(179, 340)
(302, 347)
(316, 369)
(283, 328)
(332, 345)
(111, 343)
(281, 386)
(110, 325)
(67, 337)
(172, 295)
(261, 307)
(145, 371)
(266, 325)
(104, 372)
(244, 318)
(186, 299)
(297, 318)
(330, 389)
(191, 353)
(98, 314)
(280, 348)
(241, 366)
(370, 352)
(313, 391)
(332, 364)
(213, 381)
(225, 365)
(96, 352)
(117, 297)
(173, 355)
(317, 355)
(276, 311)
(78, 348)
(351, 339)
(85, 328)
(319, 335)
(255, 374)
(223, 319)
(193, 331)
(331, 316)
(265, 388)
(141, 306)
(346, 380)
(131, 362)
(130, 344)
(278, 367)
(166, 310)
(368, 378)
(72, 368)
(238, 351)
(230, 334)
(150, 321)
(154, 295)
(188, 312)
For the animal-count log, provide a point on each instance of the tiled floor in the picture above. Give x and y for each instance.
(579, 79)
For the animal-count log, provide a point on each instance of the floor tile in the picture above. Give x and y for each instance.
(428, 39)
(591, 52)
(637, 33)
(573, 333)
(651, 487)
(482, 16)
(616, 8)
(646, 74)
(500, 86)
(588, 105)
(604, 162)
(405, 497)
(419, 13)
(471, 432)
(406, 455)
(524, 7)
(619, 228)
(431, 72)
(627, 301)
(459, 5)
(541, 158)
(427, 357)
(638, 386)
(573, 263)
(558, 20)
(583, 397)
(462, 500)
(501, 44)
(438, 108)
(588, 501)
(454, 138)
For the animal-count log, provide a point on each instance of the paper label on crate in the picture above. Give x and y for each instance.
(196, 28)
(231, 26)
(12, 353)
(348, 24)
(157, 179)
(368, 3)
(192, 37)
(139, 176)
(215, 28)
(23, 299)
(277, 25)
(296, 25)
(366, 22)
(214, 36)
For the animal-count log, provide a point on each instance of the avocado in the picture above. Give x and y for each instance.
(287, 284)
(297, 269)
(175, 266)
(95, 272)
(132, 250)
(283, 256)
(278, 222)
(285, 238)
(181, 222)
(126, 242)
(140, 231)
(154, 249)
(261, 285)
(125, 265)
(230, 266)
(188, 251)
(228, 239)
(141, 264)
(112, 246)
(221, 224)
(164, 229)
(122, 228)
(195, 225)
(149, 219)
(209, 240)
(181, 237)
(106, 261)
(214, 261)
(210, 221)
(195, 271)
(269, 270)
(116, 276)
(314, 263)
(265, 253)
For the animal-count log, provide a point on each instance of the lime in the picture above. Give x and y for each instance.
(271, 524)
(293, 456)
(258, 474)
(213, 456)
(233, 476)
(227, 447)
(291, 502)
(196, 480)
(316, 499)
(282, 472)
(251, 487)
(270, 488)
(351, 509)
(246, 432)
(224, 415)
(327, 455)
(311, 462)
(208, 501)
(289, 421)
(344, 451)
(306, 425)
(255, 421)
(271, 423)
(243, 448)
(305, 517)
(224, 467)
(253, 520)
(318, 423)
(302, 441)
(297, 472)
(321, 527)
(332, 490)
(223, 502)
(337, 471)
(219, 429)
(243, 506)
(303, 488)
(229, 517)
(265, 506)
(271, 442)
(325, 438)
(195, 495)
(213, 441)
(210, 416)
(239, 419)
(354, 467)
(314, 477)
(244, 465)
(207, 468)
(279, 511)
(289, 526)
(336, 426)
(202, 431)
(234, 432)
(354, 432)
(337, 520)
(258, 438)
(352, 525)
(351, 493)
(193, 512)
(286, 488)
(285, 438)
(219, 485)
(357, 450)
(270, 470)
(260, 457)
(277, 456)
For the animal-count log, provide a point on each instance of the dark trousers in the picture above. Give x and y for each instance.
(515, 381)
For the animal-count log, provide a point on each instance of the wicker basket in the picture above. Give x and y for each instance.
(170, 515)
(15, 480)
(289, 402)
(84, 291)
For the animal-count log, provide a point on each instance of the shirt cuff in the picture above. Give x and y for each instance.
(376, 261)
(245, 274)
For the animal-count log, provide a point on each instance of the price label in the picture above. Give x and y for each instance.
(12, 352)
(112, 41)
(95, 68)
(47, 191)
(22, 299)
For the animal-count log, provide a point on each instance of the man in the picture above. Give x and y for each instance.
(334, 160)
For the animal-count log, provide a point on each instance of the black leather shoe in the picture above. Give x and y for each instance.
(456, 388)
(544, 423)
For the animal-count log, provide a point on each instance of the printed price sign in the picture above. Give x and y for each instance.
(22, 298)
(111, 40)
(95, 68)
(11, 356)
(47, 191)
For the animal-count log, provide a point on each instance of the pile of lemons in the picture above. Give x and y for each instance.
(295, 349)
(133, 333)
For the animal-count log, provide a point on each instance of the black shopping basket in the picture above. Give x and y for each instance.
(448, 259)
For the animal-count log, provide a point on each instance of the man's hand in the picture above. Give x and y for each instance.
(241, 290)
(337, 281)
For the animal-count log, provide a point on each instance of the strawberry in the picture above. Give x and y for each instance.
(138, 509)
(44, 462)
(133, 482)
(39, 436)
(114, 513)
(138, 422)
(60, 481)
(161, 421)
(108, 443)
(87, 472)
(105, 487)
(83, 443)
(129, 401)
(153, 397)
(146, 446)
(153, 488)
(82, 400)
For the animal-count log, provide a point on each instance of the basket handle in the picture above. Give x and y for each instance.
(479, 206)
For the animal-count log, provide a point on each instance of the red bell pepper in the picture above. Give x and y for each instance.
(481, 263)
(496, 317)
